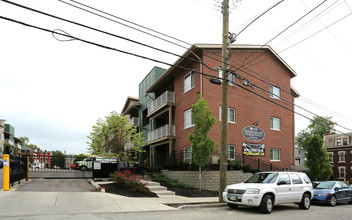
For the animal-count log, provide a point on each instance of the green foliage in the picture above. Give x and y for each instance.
(169, 181)
(79, 157)
(116, 137)
(8, 149)
(311, 140)
(25, 142)
(235, 165)
(202, 144)
(126, 180)
(58, 159)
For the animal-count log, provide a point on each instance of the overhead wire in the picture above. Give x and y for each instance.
(147, 58)
(127, 52)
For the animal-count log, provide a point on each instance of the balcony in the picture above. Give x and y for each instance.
(9, 141)
(166, 98)
(134, 121)
(161, 133)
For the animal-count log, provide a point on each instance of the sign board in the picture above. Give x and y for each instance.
(97, 165)
(253, 133)
(253, 149)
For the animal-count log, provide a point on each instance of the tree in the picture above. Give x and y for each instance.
(202, 144)
(58, 159)
(79, 157)
(312, 141)
(116, 137)
(25, 142)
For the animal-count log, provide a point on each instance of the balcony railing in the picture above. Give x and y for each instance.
(160, 133)
(167, 96)
(134, 121)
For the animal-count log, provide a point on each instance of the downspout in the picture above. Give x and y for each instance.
(201, 70)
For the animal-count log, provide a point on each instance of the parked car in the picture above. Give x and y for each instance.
(331, 192)
(267, 189)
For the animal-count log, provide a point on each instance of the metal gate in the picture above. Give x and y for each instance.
(56, 167)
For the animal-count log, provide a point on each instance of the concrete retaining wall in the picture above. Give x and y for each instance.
(210, 179)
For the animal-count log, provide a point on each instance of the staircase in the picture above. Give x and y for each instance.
(161, 191)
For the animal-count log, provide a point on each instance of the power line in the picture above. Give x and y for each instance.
(283, 32)
(147, 58)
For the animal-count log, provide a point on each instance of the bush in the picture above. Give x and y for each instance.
(126, 180)
(235, 165)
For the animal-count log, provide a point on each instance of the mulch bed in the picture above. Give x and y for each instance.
(181, 191)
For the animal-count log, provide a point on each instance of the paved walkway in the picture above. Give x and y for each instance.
(28, 204)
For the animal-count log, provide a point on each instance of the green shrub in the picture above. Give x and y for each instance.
(126, 180)
(235, 165)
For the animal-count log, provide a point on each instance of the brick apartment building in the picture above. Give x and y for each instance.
(256, 126)
(339, 147)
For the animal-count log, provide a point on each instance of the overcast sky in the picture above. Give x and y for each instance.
(54, 91)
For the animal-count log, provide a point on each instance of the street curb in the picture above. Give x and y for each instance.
(200, 205)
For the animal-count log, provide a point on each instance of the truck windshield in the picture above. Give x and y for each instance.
(262, 178)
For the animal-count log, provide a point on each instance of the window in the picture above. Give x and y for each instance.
(231, 152)
(188, 82)
(285, 178)
(341, 156)
(188, 120)
(342, 172)
(274, 154)
(331, 157)
(338, 142)
(231, 77)
(188, 154)
(345, 141)
(274, 92)
(295, 179)
(231, 115)
(275, 123)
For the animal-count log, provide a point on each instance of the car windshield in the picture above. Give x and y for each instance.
(323, 185)
(262, 178)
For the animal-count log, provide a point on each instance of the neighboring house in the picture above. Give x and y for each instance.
(166, 101)
(300, 156)
(9, 135)
(2, 136)
(339, 147)
(43, 158)
(131, 109)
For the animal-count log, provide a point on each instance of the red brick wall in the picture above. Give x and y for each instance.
(249, 107)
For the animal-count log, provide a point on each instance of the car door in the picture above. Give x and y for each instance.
(339, 192)
(346, 192)
(284, 188)
(297, 187)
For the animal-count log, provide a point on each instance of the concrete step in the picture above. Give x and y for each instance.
(157, 189)
(164, 193)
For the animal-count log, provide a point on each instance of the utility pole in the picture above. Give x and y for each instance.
(224, 98)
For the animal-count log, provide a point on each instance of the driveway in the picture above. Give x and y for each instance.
(56, 185)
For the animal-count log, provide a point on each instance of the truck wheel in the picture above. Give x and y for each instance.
(305, 202)
(83, 168)
(266, 206)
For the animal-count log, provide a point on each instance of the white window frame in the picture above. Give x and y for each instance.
(272, 154)
(188, 82)
(188, 119)
(342, 159)
(231, 148)
(228, 114)
(343, 172)
(231, 77)
(338, 142)
(187, 150)
(274, 92)
(272, 124)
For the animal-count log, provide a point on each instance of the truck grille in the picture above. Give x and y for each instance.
(236, 191)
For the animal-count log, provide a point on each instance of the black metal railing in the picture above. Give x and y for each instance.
(181, 160)
(18, 169)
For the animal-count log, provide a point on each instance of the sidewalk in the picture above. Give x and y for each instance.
(24, 204)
